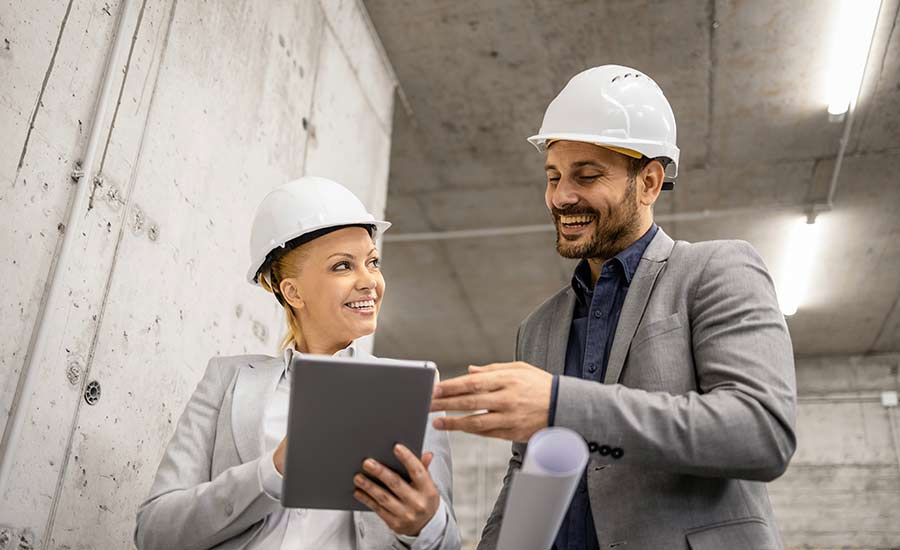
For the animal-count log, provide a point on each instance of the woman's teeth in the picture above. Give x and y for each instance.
(364, 304)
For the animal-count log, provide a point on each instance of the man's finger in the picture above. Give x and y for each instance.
(478, 424)
(427, 458)
(481, 382)
(492, 401)
(494, 367)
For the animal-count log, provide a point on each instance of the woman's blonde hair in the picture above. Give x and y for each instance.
(283, 263)
(270, 276)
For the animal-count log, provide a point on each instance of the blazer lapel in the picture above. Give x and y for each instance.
(648, 270)
(558, 332)
(255, 383)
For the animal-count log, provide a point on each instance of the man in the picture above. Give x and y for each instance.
(672, 359)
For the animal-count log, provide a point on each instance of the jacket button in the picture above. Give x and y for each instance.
(592, 367)
(617, 453)
(229, 509)
(592, 446)
(604, 450)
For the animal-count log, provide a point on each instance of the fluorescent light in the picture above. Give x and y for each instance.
(803, 245)
(850, 42)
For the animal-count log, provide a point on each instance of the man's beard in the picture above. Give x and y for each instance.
(612, 234)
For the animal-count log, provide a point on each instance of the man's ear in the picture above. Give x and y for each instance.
(291, 293)
(651, 180)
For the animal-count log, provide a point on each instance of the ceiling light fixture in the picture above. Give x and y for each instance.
(803, 245)
(850, 43)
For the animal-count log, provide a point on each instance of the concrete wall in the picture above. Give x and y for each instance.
(841, 491)
(213, 105)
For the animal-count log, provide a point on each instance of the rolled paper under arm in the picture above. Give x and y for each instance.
(541, 491)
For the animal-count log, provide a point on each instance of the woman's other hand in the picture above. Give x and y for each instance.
(278, 458)
(405, 507)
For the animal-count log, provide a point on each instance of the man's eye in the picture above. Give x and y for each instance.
(552, 179)
(588, 178)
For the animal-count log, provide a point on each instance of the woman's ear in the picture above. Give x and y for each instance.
(291, 293)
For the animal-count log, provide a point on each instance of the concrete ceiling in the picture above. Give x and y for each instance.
(745, 80)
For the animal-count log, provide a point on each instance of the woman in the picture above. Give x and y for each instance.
(219, 482)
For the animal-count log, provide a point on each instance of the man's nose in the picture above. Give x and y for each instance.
(564, 194)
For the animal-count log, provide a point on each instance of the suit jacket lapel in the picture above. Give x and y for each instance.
(255, 383)
(652, 263)
(558, 332)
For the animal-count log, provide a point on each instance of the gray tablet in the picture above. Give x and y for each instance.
(343, 411)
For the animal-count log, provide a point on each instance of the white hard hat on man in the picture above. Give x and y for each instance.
(618, 108)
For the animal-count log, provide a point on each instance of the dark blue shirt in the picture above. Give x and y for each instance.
(594, 322)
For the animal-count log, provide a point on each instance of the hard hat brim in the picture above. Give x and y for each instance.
(652, 149)
(380, 227)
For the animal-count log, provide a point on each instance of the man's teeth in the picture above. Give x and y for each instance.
(361, 305)
(570, 220)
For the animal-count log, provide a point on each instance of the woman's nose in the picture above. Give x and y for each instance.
(366, 281)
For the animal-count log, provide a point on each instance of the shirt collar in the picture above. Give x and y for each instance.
(626, 260)
(349, 351)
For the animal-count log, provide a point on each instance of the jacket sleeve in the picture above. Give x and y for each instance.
(186, 509)
(740, 422)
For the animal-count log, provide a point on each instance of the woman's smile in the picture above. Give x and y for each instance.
(364, 307)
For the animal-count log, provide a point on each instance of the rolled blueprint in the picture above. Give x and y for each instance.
(541, 491)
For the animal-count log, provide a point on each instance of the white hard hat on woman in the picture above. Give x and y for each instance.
(297, 211)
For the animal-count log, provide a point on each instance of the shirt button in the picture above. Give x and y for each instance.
(597, 315)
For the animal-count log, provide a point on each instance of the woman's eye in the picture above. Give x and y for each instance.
(341, 266)
(375, 262)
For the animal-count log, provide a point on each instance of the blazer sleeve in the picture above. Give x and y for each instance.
(740, 422)
(186, 509)
(491, 532)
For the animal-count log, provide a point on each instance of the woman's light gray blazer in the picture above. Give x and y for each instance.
(207, 492)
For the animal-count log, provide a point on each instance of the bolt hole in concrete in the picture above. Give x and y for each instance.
(92, 393)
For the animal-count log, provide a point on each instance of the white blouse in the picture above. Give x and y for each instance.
(308, 529)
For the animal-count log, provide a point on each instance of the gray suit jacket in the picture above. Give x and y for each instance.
(697, 409)
(207, 492)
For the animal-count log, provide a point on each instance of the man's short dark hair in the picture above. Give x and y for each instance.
(635, 166)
